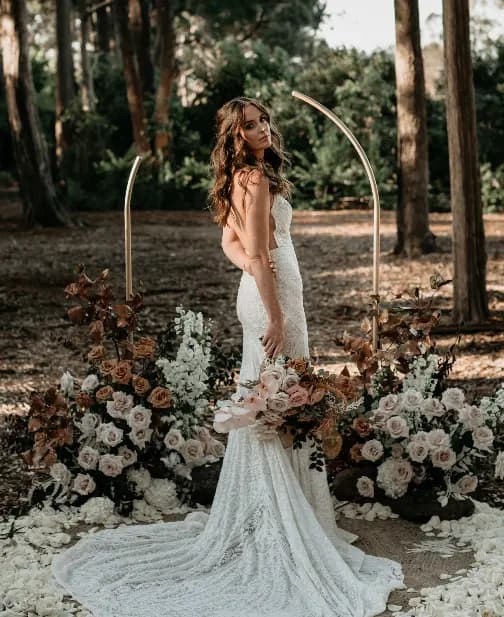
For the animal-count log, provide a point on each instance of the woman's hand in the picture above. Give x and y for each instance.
(274, 338)
(247, 266)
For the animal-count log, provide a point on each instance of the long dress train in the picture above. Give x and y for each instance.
(268, 548)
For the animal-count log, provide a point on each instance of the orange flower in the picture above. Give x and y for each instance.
(362, 427)
(104, 393)
(96, 353)
(145, 347)
(141, 385)
(84, 400)
(107, 366)
(122, 372)
(160, 398)
(355, 453)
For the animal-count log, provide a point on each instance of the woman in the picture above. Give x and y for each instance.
(270, 546)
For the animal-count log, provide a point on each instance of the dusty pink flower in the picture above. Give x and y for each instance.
(298, 396)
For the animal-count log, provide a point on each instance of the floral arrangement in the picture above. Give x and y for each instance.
(138, 423)
(410, 429)
(290, 400)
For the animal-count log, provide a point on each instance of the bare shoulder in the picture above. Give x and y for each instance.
(251, 179)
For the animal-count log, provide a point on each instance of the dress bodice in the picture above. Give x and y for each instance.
(281, 211)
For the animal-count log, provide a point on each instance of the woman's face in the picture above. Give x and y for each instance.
(255, 130)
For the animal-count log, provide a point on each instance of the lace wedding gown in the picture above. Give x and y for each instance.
(269, 547)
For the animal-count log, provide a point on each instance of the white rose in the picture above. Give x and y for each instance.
(111, 465)
(483, 438)
(61, 473)
(444, 458)
(215, 448)
(471, 416)
(88, 457)
(433, 408)
(120, 405)
(420, 436)
(365, 487)
(453, 398)
(90, 383)
(279, 402)
(291, 379)
(140, 477)
(467, 484)
(140, 436)
(499, 466)
(437, 438)
(372, 450)
(411, 400)
(83, 484)
(394, 476)
(397, 427)
(139, 417)
(389, 404)
(192, 451)
(88, 423)
(418, 450)
(162, 495)
(272, 377)
(67, 384)
(128, 456)
(109, 434)
(202, 433)
(403, 471)
(173, 439)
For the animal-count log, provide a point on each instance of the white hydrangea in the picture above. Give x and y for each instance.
(421, 376)
(90, 383)
(61, 474)
(67, 384)
(97, 510)
(140, 477)
(187, 376)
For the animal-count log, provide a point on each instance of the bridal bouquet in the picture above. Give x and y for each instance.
(138, 422)
(290, 400)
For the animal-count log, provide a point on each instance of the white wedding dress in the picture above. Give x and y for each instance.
(269, 547)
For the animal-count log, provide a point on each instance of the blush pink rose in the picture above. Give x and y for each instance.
(298, 396)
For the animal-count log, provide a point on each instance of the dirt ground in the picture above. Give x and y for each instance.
(178, 260)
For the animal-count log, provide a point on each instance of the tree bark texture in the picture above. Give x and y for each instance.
(132, 78)
(167, 75)
(469, 254)
(139, 18)
(87, 88)
(40, 202)
(103, 30)
(413, 234)
(65, 86)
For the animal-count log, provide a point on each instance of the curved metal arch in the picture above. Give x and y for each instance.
(376, 202)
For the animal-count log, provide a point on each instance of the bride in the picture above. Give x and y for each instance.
(269, 546)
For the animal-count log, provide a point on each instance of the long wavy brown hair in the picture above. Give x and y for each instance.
(231, 154)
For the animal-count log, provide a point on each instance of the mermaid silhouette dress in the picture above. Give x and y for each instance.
(269, 546)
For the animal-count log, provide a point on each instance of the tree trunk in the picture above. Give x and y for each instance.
(133, 82)
(40, 203)
(413, 234)
(139, 17)
(167, 76)
(87, 88)
(469, 255)
(103, 30)
(65, 87)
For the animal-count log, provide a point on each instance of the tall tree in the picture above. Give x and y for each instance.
(65, 86)
(134, 89)
(413, 234)
(87, 87)
(40, 203)
(139, 18)
(103, 29)
(167, 76)
(469, 255)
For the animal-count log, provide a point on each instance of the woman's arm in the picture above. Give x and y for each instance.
(257, 213)
(234, 251)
